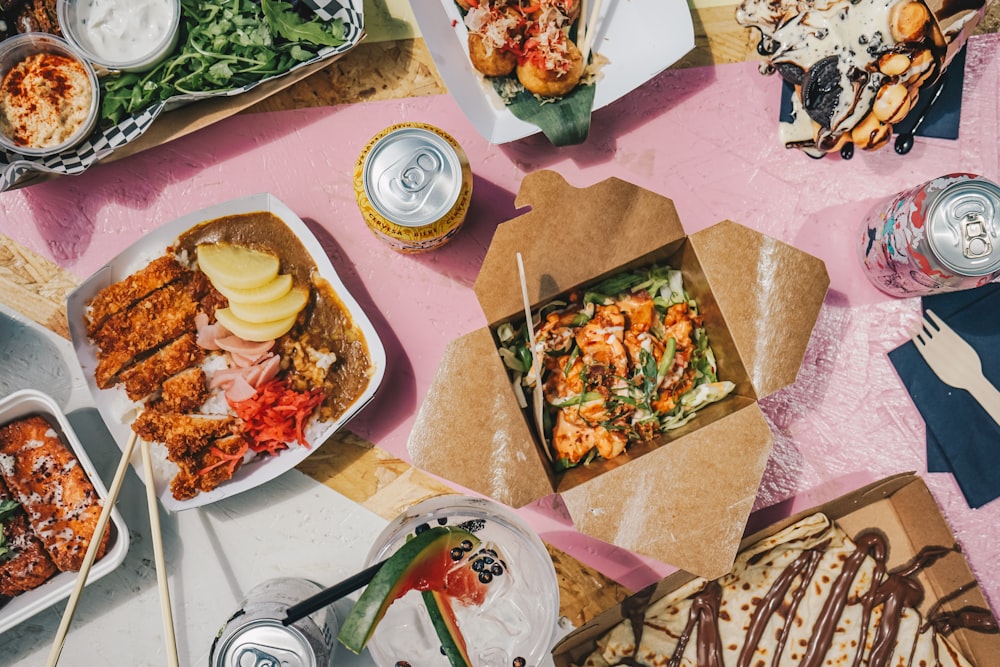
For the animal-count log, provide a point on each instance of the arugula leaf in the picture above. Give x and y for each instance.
(7, 508)
(286, 22)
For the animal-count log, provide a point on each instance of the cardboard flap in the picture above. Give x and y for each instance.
(470, 429)
(601, 228)
(770, 295)
(687, 504)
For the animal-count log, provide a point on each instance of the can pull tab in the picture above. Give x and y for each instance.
(410, 179)
(252, 657)
(975, 239)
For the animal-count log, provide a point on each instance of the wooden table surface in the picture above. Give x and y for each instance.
(379, 70)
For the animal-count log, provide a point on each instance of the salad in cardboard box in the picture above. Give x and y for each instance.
(646, 344)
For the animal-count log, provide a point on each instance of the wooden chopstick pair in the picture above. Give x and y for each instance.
(91, 555)
(587, 27)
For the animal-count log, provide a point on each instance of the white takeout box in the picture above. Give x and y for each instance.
(154, 244)
(27, 402)
(639, 38)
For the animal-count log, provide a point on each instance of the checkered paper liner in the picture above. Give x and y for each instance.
(15, 167)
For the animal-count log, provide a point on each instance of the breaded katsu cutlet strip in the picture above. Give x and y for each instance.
(182, 434)
(44, 476)
(209, 467)
(121, 295)
(27, 564)
(146, 376)
(159, 318)
(184, 392)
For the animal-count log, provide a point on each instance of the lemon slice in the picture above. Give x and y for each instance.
(236, 267)
(271, 291)
(257, 332)
(281, 308)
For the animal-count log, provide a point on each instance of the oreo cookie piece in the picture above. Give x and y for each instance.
(790, 72)
(821, 90)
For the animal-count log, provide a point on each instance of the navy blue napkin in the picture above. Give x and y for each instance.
(942, 117)
(961, 437)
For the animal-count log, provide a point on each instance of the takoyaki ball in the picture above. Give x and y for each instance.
(556, 81)
(561, 12)
(490, 61)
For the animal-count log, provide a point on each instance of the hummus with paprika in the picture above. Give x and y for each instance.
(44, 100)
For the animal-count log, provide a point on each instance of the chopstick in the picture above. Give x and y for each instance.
(330, 595)
(536, 395)
(161, 569)
(91, 555)
(589, 22)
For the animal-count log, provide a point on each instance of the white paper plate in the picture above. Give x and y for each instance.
(30, 402)
(640, 39)
(153, 245)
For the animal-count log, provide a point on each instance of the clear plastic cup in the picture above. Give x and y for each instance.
(62, 122)
(516, 624)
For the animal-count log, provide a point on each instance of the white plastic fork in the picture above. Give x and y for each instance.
(955, 362)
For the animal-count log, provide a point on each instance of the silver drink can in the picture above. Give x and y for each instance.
(254, 636)
(940, 236)
(413, 184)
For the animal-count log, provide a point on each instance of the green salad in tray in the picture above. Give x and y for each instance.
(223, 45)
(618, 363)
(224, 48)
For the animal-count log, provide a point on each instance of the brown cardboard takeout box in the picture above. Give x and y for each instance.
(686, 500)
(901, 507)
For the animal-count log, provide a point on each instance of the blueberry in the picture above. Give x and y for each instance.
(478, 565)
(518, 662)
(497, 569)
(457, 554)
(421, 528)
(485, 577)
(467, 545)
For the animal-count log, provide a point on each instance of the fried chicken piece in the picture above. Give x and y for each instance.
(210, 467)
(184, 392)
(183, 434)
(146, 376)
(38, 16)
(27, 564)
(61, 504)
(121, 295)
(157, 319)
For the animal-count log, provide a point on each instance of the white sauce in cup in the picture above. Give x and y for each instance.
(123, 31)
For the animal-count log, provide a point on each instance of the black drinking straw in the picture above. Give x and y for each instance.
(330, 595)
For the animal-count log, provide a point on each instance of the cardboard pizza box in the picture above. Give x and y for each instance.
(684, 500)
(903, 510)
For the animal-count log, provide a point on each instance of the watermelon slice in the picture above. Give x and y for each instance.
(425, 563)
(446, 626)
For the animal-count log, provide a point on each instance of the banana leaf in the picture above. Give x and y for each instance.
(564, 122)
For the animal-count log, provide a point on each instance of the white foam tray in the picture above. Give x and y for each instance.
(154, 244)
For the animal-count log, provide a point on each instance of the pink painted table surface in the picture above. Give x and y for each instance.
(705, 137)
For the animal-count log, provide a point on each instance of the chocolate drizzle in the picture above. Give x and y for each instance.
(892, 591)
(705, 617)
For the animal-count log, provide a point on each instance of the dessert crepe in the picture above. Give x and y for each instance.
(858, 66)
(808, 595)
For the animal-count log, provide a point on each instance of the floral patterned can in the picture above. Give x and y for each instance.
(940, 236)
